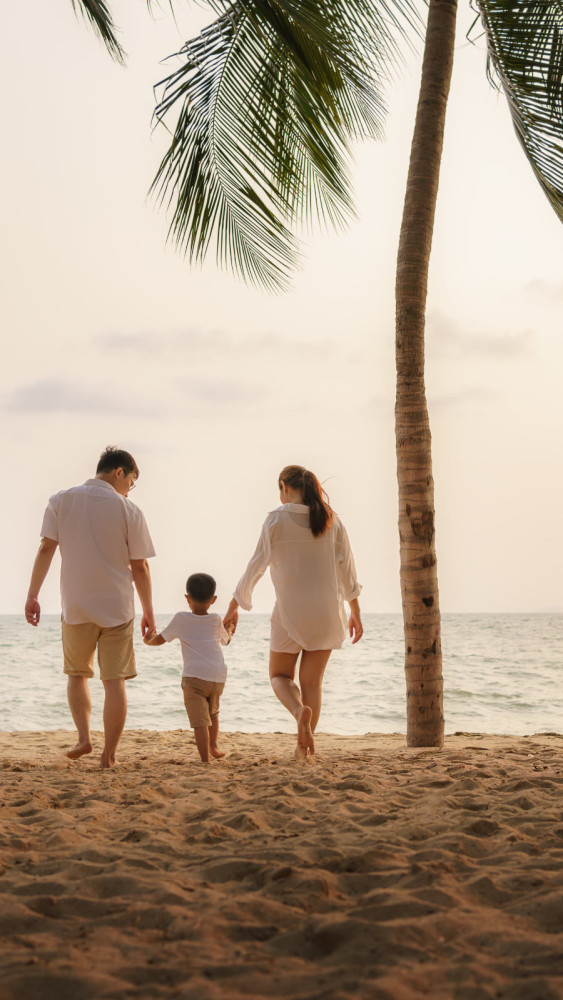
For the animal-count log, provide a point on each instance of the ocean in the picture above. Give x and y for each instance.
(501, 675)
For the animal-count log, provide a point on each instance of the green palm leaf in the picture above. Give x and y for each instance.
(269, 98)
(525, 41)
(97, 12)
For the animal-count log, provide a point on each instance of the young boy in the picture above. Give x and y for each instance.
(205, 671)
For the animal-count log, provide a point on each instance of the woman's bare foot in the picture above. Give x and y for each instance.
(305, 741)
(79, 750)
(215, 752)
(107, 759)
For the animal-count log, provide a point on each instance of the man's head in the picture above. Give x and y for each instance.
(200, 590)
(119, 468)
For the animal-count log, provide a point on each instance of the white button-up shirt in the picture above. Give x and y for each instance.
(312, 576)
(98, 532)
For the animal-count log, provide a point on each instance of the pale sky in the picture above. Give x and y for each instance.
(109, 338)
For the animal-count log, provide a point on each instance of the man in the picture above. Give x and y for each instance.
(105, 544)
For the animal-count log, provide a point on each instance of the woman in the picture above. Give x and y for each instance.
(306, 547)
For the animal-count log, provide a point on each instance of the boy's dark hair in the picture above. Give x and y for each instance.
(200, 587)
(115, 458)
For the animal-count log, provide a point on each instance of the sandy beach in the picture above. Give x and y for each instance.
(372, 871)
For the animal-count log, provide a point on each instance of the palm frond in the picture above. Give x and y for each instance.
(97, 12)
(269, 97)
(525, 54)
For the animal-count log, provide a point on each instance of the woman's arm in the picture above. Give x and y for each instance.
(256, 568)
(355, 627)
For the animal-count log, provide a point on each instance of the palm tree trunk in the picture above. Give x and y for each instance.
(419, 579)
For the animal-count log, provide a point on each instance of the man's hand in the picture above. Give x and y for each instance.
(32, 611)
(148, 625)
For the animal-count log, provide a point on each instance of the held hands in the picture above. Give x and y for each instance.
(148, 625)
(32, 611)
(230, 620)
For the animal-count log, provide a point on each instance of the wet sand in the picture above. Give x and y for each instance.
(371, 871)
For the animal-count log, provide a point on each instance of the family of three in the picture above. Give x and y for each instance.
(105, 546)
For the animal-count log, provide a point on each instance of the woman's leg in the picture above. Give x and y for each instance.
(282, 672)
(311, 672)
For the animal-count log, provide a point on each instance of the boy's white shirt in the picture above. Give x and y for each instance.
(201, 638)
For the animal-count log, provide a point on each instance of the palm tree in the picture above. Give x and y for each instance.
(270, 96)
(524, 49)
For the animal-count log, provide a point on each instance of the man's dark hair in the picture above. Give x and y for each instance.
(200, 587)
(115, 458)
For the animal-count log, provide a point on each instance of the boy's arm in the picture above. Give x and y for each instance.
(154, 640)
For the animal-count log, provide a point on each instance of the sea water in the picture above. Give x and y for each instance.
(502, 674)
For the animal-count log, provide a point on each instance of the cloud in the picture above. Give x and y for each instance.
(198, 343)
(550, 292)
(446, 339)
(57, 396)
(474, 394)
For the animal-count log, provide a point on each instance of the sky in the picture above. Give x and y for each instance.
(108, 337)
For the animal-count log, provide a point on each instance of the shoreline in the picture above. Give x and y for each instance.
(373, 871)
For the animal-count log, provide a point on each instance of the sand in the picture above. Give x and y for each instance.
(375, 871)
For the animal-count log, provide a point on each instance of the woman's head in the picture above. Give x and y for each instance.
(306, 483)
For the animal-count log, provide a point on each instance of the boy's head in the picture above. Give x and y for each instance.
(200, 590)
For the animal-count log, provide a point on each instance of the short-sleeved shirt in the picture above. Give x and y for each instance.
(312, 576)
(99, 532)
(201, 638)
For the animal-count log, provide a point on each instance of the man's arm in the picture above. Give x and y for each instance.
(40, 569)
(142, 580)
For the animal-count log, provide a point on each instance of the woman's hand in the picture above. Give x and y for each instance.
(355, 627)
(231, 618)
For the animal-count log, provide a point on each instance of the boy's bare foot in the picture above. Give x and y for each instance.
(305, 741)
(79, 750)
(215, 752)
(107, 759)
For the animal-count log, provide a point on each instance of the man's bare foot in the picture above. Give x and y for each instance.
(305, 741)
(107, 759)
(79, 750)
(215, 752)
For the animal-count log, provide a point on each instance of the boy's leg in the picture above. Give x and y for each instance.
(213, 736)
(201, 735)
(115, 714)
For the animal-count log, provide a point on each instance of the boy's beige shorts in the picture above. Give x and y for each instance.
(116, 657)
(201, 699)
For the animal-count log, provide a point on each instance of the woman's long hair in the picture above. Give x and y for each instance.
(320, 512)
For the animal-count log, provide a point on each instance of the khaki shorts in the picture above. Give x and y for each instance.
(116, 657)
(201, 699)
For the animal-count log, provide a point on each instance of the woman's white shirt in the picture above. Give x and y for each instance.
(312, 576)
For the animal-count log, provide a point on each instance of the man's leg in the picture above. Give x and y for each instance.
(80, 704)
(115, 714)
